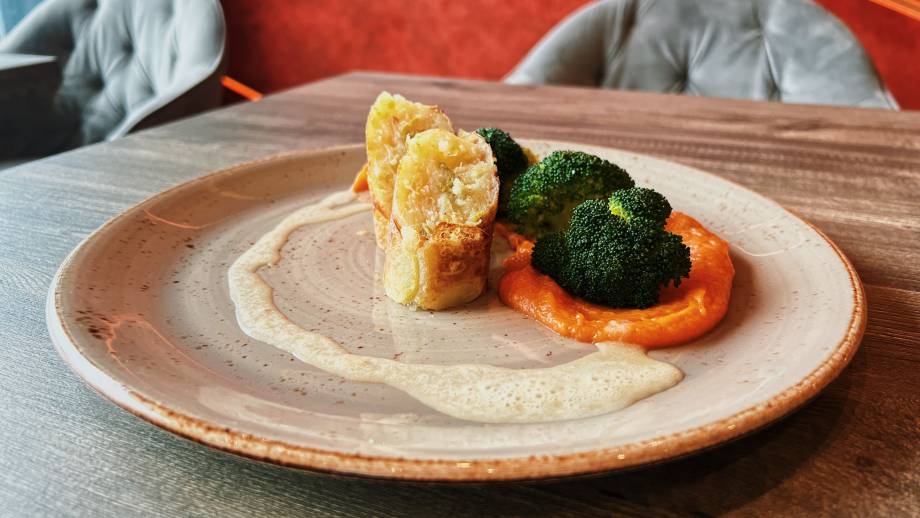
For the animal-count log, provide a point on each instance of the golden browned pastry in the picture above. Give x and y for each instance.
(440, 230)
(392, 120)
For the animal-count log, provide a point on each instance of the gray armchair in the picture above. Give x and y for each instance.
(783, 50)
(126, 64)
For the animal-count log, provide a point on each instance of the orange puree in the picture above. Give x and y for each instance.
(360, 183)
(682, 314)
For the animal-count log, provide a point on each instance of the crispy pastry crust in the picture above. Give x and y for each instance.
(391, 121)
(439, 257)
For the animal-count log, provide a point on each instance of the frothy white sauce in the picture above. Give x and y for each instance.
(613, 377)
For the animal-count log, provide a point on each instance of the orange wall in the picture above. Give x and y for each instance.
(274, 44)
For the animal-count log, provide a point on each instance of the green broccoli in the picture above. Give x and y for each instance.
(616, 261)
(543, 197)
(640, 202)
(509, 158)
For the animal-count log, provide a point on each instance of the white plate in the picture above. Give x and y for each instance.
(141, 311)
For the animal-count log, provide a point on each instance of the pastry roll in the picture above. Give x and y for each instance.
(392, 120)
(440, 228)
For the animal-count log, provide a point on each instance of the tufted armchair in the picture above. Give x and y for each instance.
(783, 50)
(126, 64)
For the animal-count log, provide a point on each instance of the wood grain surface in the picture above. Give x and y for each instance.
(853, 451)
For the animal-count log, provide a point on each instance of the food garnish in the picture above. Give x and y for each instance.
(682, 314)
(543, 197)
(510, 159)
(616, 252)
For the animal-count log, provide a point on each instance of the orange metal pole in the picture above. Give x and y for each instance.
(909, 8)
(238, 87)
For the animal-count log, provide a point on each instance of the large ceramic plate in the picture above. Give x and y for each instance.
(141, 311)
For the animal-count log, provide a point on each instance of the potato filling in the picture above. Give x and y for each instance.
(445, 178)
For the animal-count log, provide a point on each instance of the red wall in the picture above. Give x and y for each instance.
(274, 44)
(893, 41)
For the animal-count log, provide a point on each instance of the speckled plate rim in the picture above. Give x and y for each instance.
(632, 455)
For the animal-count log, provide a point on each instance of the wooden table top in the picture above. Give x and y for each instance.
(854, 450)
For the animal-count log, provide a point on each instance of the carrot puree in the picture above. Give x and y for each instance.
(682, 314)
(360, 183)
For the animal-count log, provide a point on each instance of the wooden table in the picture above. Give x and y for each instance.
(854, 450)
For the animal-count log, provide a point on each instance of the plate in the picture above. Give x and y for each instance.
(141, 311)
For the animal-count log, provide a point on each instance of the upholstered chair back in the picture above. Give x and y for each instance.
(782, 50)
(126, 64)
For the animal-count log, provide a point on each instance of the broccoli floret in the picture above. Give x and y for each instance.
(509, 159)
(640, 202)
(542, 199)
(611, 260)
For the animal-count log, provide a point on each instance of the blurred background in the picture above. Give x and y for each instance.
(73, 72)
(276, 44)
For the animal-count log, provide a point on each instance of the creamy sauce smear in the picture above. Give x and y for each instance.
(613, 377)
